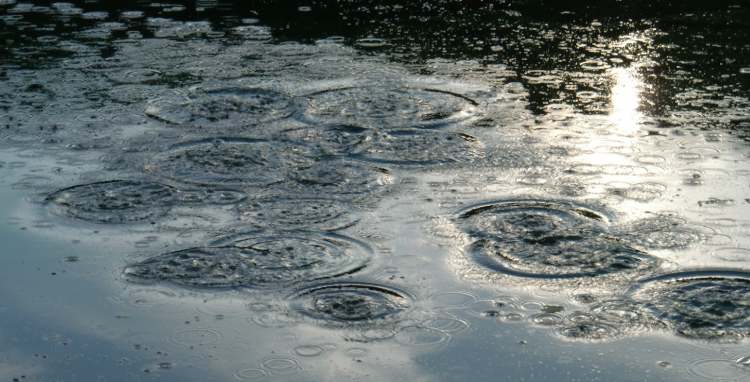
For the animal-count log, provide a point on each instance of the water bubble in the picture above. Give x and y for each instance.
(693, 177)
(228, 161)
(491, 308)
(351, 303)
(114, 201)
(256, 261)
(383, 107)
(665, 364)
(708, 305)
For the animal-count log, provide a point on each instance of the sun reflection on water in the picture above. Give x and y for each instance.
(625, 100)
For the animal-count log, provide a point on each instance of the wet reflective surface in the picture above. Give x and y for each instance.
(445, 191)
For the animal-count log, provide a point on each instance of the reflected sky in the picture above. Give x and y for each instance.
(576, 103)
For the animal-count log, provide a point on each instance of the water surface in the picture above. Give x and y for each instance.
(441, 191)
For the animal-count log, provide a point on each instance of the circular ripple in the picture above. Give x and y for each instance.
(419, 336)
(420, 147)
(623, 313)
(133, 93)
(251, 374)
(559, 257)
(133, 76)
(196, 337)
(446, 324)
(350, 303)
(385, 107)
(298, 213)
(329, 140)
(256, 261)
(664, 232)
(281, 366)
(547, 239)
(452, 300)
(212, 196)
(336, 178)
(308, 350)
(228, 161)
(589, 331)
(529, 219)
(218, 108)
(546, 319)
(718, 370)
(708, 305)
(114, 201)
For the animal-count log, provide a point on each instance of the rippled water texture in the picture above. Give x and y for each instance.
(702, 305)
(350, 303)
(517, 190)
(547, 239)
(256, 261)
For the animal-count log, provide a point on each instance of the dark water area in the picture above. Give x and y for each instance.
(433, 191)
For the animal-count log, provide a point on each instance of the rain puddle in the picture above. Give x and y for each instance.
(278, 191)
